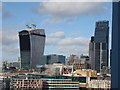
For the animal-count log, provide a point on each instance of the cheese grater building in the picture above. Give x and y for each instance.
(32, 43)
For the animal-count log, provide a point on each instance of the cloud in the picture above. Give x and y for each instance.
(0, 5)
(56, 35)
(74, 41)
(68, 45)
(9, 43)
(7, 14)
(9, 37)
(52, 41)
(10, 52)
(73, 49)
(11, 49)
(60, 11)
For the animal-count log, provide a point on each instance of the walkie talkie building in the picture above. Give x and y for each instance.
(32, 43)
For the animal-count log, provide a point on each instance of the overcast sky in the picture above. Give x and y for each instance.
(68, 25)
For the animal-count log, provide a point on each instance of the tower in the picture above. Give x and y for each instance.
(91, 53)
(115, 61)
(99, 46)
(32, 43)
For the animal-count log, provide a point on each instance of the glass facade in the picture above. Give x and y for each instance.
(50, 59)
(115, 61)
(91, 53)
(99, 46)
(32, 44)
(25, 49)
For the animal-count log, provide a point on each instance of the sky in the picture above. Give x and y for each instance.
(68, 25)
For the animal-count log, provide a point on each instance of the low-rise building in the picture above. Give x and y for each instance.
(42, 82)
(25, 81)
(15, 64)
(55, 69)
(85, 73)
(4, 82)
(17, 83)
(1, 83)
(58, 84)
(80, 65)
(102, 84)
(79, 62)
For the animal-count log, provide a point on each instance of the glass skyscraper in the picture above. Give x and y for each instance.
(98, 47)
(91, 53)
(115, 61)
(50, 59)
(32, 43)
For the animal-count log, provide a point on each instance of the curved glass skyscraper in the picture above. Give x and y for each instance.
(32, 43)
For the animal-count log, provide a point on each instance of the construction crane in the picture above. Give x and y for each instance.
(34, 26)
(28, 26)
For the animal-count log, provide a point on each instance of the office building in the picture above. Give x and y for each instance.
(91, 53)
(25, 81)
(26, 84)
(60, 84)
(50, 59)
(54, 69)
(85, 73)
(87, 79)
(32, 43)
(79, 62)
(4, 82)
(99, 46)
(115, 62)
(99, 84)
(42, 82)
(77, 58)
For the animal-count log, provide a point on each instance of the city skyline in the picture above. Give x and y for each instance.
(59, 44)
(77, 23)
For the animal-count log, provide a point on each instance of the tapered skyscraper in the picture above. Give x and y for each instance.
(32, 43)
(99, 46)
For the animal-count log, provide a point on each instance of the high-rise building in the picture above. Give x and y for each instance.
(98, 47)
(50, 59)
(32, 43)
(91, 53)
(115, 46)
